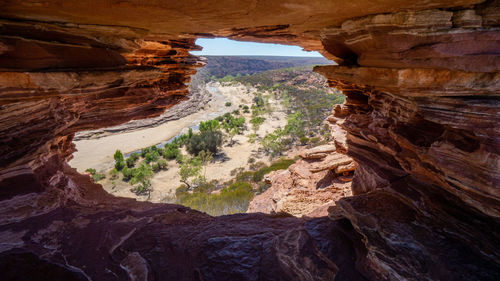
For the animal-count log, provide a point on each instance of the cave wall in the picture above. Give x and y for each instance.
(422, 86)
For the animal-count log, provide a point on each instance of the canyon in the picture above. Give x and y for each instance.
(422, 115)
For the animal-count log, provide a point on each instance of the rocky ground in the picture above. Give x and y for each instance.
(314, 183)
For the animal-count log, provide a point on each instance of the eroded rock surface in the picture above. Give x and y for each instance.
(422, 114)
(311, 185)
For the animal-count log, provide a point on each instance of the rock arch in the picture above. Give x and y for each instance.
(422, 86)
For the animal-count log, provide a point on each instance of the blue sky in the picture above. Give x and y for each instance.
(226, 47)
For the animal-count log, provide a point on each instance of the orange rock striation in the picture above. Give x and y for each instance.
(421, 115)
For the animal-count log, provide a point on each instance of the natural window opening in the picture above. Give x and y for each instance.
(257, 116)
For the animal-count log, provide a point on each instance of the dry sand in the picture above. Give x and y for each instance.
(98, 153)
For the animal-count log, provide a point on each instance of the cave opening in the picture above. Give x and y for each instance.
(421, 85)
(255, 113)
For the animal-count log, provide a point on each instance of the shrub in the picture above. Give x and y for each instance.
(162, 163)
(273, 142)
(208, 140)
(179, 158)
(190, 168)
(141, 175)
(259, 101)
(155, 167)
(95, 176)
(91, 171)
(315, 140)
(227, 104)
(118, 156)
(244, 176)
(119, 160)
(144, 151)
(210, 125)
(277, 165)
(127, 173)
(245, 107)
(171, 151)
(114, 174)
(132, 159)
(252, 137)
(152, 156)
(256, 122)
(304, 140)
(258, 165)
(120, 165)
(232, 199)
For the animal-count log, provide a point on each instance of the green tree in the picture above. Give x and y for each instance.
(132, 159)
(152, 156)
(142, 175)
(207, 140)
(205, 157)
(295, 125)
(190, 171)
(210, 125)
(119, 160)
(127, 173)
(233, 126)
(273, 142)
(118, 156)
(95, 175)
(171, 151)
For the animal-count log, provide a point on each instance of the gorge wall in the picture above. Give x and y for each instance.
(422, 112)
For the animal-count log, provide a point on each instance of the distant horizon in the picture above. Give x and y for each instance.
(227, 47)
(320, 57)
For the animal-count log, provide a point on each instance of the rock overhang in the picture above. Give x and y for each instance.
(421, 80)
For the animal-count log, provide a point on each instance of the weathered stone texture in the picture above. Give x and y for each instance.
(422, 114)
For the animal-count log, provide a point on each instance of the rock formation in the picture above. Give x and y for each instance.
(314, 183)
(422, 114)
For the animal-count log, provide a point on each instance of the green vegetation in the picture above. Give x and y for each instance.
(207, 140)
(114, 174)
(132, 159)
(119, 160)
(280, 164)
(160, 165)
(273, 142)
(95, 175)
(210, 125)
(306, 102)
(152, 156)
(190, 171)
(252, 137)
(171, 151)
(232, 125)
(232, 199)
(141, 176)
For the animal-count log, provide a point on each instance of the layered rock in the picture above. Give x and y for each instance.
(423, 121)
(421, 80)
(308, 187)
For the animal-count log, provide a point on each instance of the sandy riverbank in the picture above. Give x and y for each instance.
(98, 153)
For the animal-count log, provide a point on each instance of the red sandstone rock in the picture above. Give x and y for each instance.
(421, 81)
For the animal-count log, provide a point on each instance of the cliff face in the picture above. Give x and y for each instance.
(422, 115)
